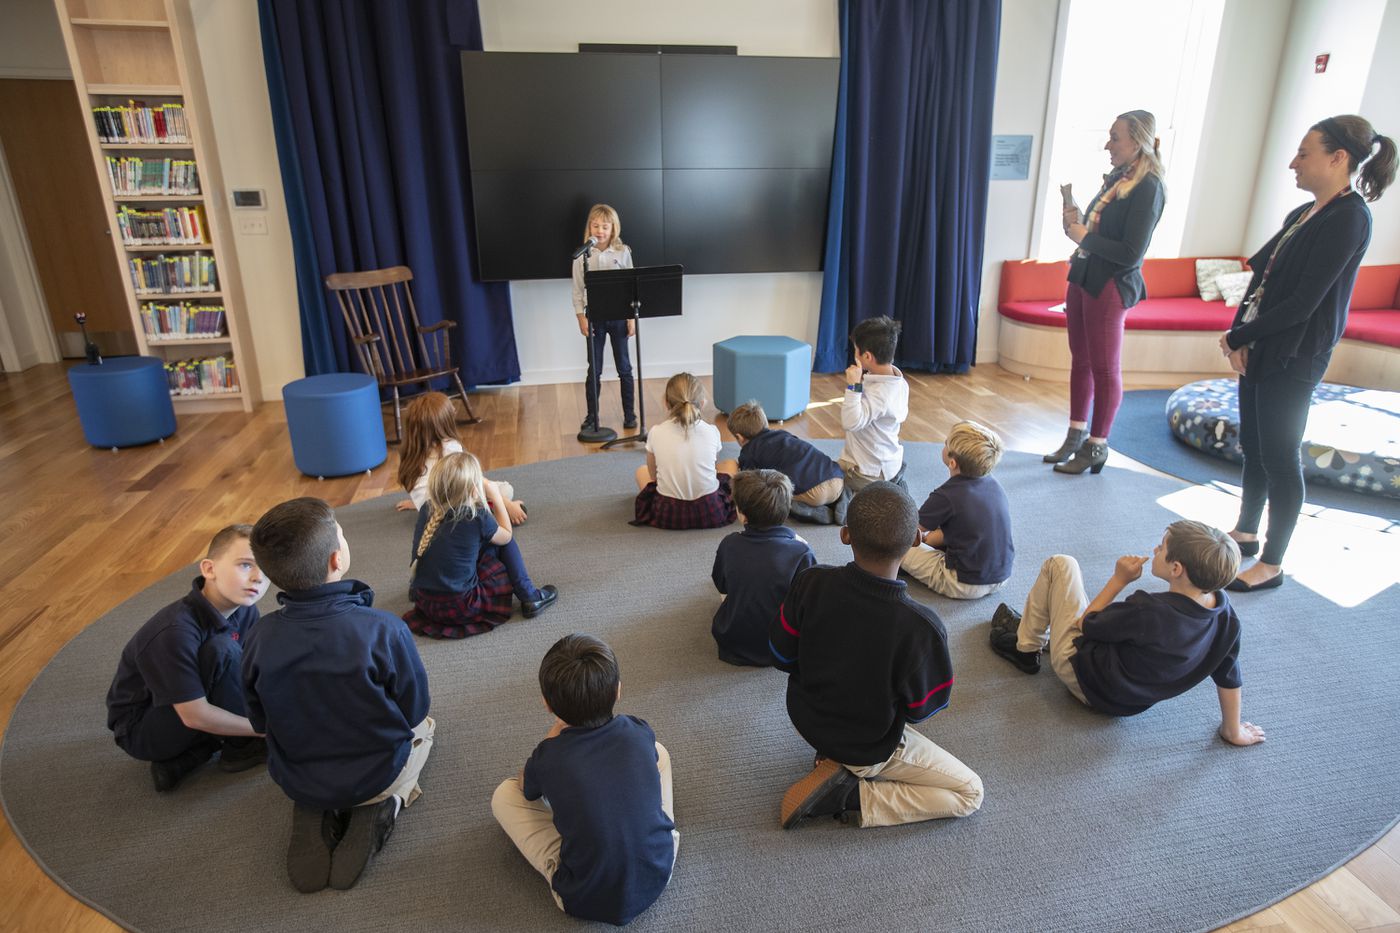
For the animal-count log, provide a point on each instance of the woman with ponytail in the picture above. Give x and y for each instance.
(1105, 280)
(1295, 311)
(680, 487)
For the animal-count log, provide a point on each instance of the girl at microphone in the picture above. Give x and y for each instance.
(604, 227)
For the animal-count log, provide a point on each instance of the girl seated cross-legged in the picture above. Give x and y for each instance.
(680, 487)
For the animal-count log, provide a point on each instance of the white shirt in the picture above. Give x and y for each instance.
(872, 418)
(614, 257)
(419, 492)
(685, 460)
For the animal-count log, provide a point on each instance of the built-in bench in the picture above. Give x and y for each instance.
(1171, 336)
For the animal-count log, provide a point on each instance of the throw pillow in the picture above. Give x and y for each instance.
(1232, 287)
(1207, 270)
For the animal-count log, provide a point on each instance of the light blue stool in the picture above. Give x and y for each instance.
(335, 424)
(774, 371)
(123, 402)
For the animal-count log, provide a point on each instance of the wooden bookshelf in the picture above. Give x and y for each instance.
(145, 51)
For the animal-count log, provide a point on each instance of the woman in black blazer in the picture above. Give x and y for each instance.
(1283, 334)
(1105, 280)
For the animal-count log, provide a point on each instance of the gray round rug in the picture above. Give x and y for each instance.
(1089, 823)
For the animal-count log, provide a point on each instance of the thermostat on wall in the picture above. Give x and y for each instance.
(249, 198)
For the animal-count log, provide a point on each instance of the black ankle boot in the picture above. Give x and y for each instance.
(1090, 456)
(1073, 439)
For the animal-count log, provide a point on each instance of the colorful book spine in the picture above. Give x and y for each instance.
(213, 376)
(138, 122)
(132, 176)
(182, 320)
(170, 226)
(171, 275)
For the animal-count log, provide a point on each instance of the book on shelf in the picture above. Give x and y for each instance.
(138, 122)
(212, 376)
(182, 320)
(133, 176)
(178, 274)
(169, 226)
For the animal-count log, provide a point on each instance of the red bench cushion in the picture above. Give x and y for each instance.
(1376, 287)
(1381, 327)
(1151, 314)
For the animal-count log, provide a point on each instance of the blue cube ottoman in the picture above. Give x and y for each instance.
(775, 371)
(335, 424)
(123, 402)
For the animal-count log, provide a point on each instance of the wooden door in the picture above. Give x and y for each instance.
(70, 234)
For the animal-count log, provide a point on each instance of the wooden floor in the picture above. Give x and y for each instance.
(82, 529)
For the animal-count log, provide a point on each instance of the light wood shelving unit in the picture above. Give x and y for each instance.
(145, 50)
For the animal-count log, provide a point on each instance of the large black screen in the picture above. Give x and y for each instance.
(718, 163)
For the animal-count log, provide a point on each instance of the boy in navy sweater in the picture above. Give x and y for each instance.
(964, 549)
(866, 661)
(755, 567)
(176, 698)
(341, 692)
(1120, 658)
(818, 484)
(591, 809)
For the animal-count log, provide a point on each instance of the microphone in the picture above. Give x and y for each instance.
(587, 245)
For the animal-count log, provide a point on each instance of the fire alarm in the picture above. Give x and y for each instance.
(1320, 63)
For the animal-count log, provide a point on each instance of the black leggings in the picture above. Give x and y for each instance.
(1273, 416)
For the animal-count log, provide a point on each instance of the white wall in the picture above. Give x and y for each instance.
(1381, 105)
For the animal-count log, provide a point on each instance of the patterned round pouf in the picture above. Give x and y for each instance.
(1352, 439)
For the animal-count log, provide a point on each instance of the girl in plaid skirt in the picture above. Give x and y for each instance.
(680, 487)
(467, 566)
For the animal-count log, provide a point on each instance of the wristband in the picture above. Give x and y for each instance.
(858, 387)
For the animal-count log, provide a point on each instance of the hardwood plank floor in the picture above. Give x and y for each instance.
(83, 529)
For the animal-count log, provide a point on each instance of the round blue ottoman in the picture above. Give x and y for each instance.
(335, 424)
(123, 402)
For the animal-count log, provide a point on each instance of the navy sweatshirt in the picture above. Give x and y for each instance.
(805, 465)
(754, 568)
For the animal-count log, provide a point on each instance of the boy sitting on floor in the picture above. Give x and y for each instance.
(865, 661)
(1121, 658)
(874, 406)
(591, 809)
(176, 698)
(341, 692)
(755, 567)
(964, 549)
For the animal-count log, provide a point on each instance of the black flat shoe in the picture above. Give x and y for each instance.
(1090, 456)
(1239, 586)
(1247, 548)
(533, 607)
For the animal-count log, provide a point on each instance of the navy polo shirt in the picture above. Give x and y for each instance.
(975, 517)
(338, 687)
(773, 449)
(616, 850)
(160, 664)
(1154, 646)
(449, 564)
(754, 568)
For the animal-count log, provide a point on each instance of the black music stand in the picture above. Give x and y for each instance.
(633, 294)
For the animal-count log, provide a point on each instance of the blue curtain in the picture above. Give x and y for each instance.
(909, 174)
(371, 136)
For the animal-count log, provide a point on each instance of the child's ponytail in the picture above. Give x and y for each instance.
(685, 399)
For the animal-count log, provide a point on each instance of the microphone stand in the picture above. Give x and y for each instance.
(592, 432)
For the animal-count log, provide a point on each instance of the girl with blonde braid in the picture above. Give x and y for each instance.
(680, 486)
(467, 564)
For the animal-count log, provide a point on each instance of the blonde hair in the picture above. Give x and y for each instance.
(427, 421)
(606, 212)
(1142, 130)
(974, 448)
(685, 399)
(748, 419)
(1210, 557)
(454, 493)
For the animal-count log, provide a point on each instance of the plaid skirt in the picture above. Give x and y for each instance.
(458, 615)
(713, 511)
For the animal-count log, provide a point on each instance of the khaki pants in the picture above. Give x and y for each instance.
(920, 781)
(824, 493)
(405, 786)
(530, 823)
(930, 567)
(1054, 608)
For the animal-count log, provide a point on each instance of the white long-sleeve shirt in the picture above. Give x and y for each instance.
(871, 419)
(616, 256)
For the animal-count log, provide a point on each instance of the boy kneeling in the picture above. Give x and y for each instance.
(1121, 658)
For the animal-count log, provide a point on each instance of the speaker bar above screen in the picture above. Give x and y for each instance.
(658, 49)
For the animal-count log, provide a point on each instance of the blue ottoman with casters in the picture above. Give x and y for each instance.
(123, 402)
(775, 371)
(335, 424)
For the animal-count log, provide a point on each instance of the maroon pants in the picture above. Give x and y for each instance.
(1095, 347)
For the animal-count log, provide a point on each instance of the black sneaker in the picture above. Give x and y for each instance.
(1005, 619)
(589, 424)
(369, 828)
(630, 422)
(815, 514)
(533, 607)
(242, 755)
(167, 774)
(1004, 644)
(838, 508)
(829, 790)
(314, 835)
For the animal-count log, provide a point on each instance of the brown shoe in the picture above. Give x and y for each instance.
(823, 792)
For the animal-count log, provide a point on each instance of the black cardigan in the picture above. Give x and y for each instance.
(1305, 303)
(1116, 248)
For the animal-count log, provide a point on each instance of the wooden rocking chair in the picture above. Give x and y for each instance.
(393, 347)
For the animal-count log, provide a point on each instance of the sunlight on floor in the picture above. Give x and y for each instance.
(1344, 557)
(828, 403)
